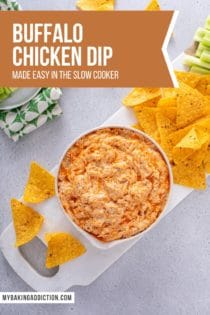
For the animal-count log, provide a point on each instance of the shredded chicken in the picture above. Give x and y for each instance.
(114, 183)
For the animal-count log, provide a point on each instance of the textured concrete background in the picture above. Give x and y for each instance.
(167, 272)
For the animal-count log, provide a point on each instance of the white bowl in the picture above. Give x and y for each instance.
(94, 241)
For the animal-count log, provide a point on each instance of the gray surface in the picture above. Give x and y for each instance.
(167, 272)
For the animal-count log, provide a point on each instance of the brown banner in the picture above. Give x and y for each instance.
(83, 49)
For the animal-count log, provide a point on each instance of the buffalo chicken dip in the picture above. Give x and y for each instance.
(113, 183)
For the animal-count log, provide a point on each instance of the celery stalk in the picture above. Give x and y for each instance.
(199, 50)
(207, 24)
(199, 70)
(194, 61)
(205, 56)
(206, 40)
(202, 34)
(199, 34)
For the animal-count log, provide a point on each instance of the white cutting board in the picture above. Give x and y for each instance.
(85, 269)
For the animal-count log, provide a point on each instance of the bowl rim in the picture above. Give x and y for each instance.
(92, 239)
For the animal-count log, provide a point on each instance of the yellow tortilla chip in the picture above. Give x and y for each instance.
(167, 102)
(27, 222)
(62, 247)
(179, 119)
(147, 120)
(137, 126)
(169, 92)
(191, 105)
(169, 112)
(165, 127)
(198, 157)
(138, 109)
(95, 5)
(141, 95)
(40, 185)
(177, 135)
(188, 78)
(153, 6)
(203, 122)
(190, 175)
(203, 86)
(195, 139)
(207, 160)
(151, 103)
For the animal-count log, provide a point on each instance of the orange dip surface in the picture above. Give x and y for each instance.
(114, 183)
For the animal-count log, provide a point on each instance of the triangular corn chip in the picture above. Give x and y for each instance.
(207, 160)
(95, 5)
(153, 6)
(165, 127)
(188, 78)
(147, 120)
(169, 112)
(177, 135)
(198, 157)
(167, 101)
(27, 222)
(179, 119)
(190, 175)
(203, 86)
(141, 95)
(193, 141)
(191, 105)
(40, 185)
(62, 247)
(137, 126)
(169, 92)
(151, 103)
(204, 122)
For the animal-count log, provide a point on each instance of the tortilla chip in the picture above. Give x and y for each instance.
(191, 105)
(169, 112)
(203, 86)
(147, 120)
(188, 78)
(167, 102)
(204, 122)
(207, 160)
(141, 95)
(177, 135)
(95, 5)
(138, 109)
(153, 6)
(165, 127)
(198, 157)
(27, 222)
(169, 92)
(62, 247)
(151, 103)
(190, 175)
(137, 126)
(40, 185)
(179, 119)
(194, 140)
